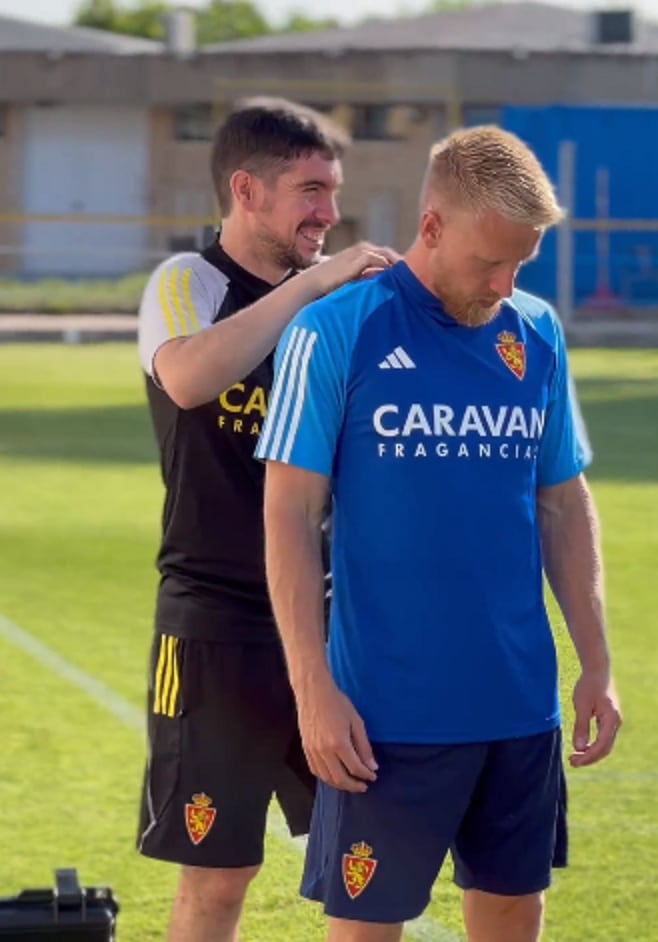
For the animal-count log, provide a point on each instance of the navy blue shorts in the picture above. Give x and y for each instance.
(499, 807)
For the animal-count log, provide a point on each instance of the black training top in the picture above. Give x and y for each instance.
(211, 558)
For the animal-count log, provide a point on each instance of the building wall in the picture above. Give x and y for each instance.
(86, 171)
(431, 75)
(180, 187)
(181, 184)
(11, 148)
(373, 168)
(382, 176)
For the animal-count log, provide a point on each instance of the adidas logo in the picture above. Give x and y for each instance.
(398, 360)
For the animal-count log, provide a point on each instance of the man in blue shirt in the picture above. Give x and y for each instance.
(431, 406)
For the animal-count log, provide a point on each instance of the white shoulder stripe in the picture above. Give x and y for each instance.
(291, 381)
(276, 395)
(299, 401)
(286, 392)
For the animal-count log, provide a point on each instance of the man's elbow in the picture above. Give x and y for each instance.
(185, 389)
(181, 376)
(556, 497)
(288, 501)
(184, 396)
(279, 501)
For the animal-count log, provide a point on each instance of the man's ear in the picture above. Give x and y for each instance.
(244, 189)
(431, 227)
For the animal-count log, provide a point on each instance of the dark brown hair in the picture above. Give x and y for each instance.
(263, 136)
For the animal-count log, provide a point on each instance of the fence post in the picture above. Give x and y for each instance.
(565, 241)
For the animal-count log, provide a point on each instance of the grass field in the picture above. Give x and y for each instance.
(61, 296)
(79, 516)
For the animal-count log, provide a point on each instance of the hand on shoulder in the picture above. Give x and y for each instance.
(358, 261)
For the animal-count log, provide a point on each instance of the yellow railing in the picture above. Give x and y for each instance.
(173, 222)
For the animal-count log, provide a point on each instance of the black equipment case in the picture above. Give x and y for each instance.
(67, 913)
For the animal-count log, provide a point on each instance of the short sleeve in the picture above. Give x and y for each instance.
(307, 405)
(175, 303)
(579, 421)
(564, 449)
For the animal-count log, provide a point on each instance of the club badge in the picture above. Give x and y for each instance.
(358, 869)
(512, 353)
(199, 817)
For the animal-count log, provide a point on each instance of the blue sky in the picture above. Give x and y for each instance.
(62, 11)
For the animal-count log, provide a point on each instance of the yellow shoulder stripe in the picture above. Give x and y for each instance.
(176, 302)
(164, 304)
(185, 281)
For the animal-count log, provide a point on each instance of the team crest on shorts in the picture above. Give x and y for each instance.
(358, 869)
(199, 817)
(512, 352)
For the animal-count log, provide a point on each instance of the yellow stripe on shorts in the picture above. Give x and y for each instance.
(167, 677)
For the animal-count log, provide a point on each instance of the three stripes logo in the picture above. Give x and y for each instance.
(399, 359)
(176, 302)
(287, 399)
(167, 677)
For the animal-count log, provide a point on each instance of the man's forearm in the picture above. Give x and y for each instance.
(572, 560)
(194, 370)
(296, 584)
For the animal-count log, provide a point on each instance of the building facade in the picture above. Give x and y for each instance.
(104, 139)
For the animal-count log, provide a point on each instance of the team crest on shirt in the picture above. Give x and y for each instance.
(358, 869)
(512, 352)
(199, 817)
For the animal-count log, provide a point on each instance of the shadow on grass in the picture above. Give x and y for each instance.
(112, 434)
(622, 419)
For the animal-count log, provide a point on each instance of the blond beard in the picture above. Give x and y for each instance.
(474, 315)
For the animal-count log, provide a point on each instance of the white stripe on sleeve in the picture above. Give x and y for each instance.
(299, 400)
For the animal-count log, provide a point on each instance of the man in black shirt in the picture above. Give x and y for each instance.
(222, 723)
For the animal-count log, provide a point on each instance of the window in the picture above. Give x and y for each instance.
(473, 115)
(324, 108)
(371, 122)
(182, 243)
(194, 123)
(390, 122)
(440, 123)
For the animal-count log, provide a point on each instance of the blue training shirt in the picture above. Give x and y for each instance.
(436, 438)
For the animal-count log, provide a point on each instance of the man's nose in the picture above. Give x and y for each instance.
(328, 212)
(502, 282)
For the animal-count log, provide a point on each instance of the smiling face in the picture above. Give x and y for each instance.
(473, 260)
(296, 209)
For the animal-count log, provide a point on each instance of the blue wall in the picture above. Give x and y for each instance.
(625, 141)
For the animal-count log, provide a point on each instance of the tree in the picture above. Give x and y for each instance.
(219, 21)
(300, 23)
(99, 14)
(145, 20)
(443, 6)
(223, 20)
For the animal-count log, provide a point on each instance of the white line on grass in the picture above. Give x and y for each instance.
(423, 929)
(123, 711)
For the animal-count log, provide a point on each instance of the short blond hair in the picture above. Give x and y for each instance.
(486, 168)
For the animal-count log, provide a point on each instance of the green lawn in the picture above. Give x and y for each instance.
(79, 517)
(61, 296)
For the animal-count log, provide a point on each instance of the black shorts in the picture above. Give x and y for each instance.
(223, 739)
